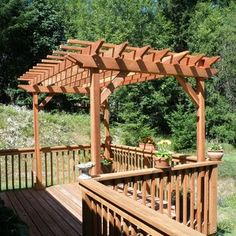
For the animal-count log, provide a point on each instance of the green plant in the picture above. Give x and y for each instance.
(163, 149)
(215, 146)
(106, 162)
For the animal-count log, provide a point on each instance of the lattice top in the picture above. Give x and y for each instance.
(68, 70)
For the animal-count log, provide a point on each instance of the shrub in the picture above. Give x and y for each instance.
(183, 128)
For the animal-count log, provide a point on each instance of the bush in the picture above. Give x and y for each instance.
(132, 133)
(183, 128)
(221, 121)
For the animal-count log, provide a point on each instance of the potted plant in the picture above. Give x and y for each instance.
(163, 155)
(106, 165)
(147, 143)
(215, 151)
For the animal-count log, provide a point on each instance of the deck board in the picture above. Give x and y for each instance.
(57, 210)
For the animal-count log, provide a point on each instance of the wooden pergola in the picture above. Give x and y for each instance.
(99, 68)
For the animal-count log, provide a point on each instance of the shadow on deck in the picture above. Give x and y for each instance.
(57, 210)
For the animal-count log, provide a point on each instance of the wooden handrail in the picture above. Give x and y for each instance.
(127, 174)
(151, 153)
(131, 211)
(43, 149)
(17, 166)
(185, 192)
(149, 171)
(132, 158)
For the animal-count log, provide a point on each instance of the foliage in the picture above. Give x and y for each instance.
(117, 21)
(163, 149)
(227, 69)
(183, 128)
(130, 133)
(205, 29)
(178, 12)
(227, 168)
(227, 193)
(220, 120)
(30, 29)
(106, 162)
(55, 129)
(215, 146)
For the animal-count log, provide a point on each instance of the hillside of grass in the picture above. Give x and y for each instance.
(16, 128)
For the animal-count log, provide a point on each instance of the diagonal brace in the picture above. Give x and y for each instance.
(45, 101)
(113, 85)
(188, 89)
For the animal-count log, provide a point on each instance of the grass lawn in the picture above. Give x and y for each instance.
(227, 195)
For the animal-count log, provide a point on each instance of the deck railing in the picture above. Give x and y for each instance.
(186, 193)
(106, 212)
(127, 158)
(17, 166)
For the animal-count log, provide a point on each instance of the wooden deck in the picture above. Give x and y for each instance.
(57, 210)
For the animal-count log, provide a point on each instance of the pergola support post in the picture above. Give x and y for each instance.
(200, 89)
(95, 98)
(38, 184)
(107, 152)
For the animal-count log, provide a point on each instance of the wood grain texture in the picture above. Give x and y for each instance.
(46, 213)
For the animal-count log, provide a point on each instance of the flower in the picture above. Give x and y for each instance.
(215, 146)
(163, 149)
(164, 142)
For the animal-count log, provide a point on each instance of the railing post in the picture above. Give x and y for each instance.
(95, 98)
(213, 200)
(38, 184)
(107, 152)
(87, 215)
(200, 120)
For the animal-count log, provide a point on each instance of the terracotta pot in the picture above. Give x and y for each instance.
(215, 155)
(161, 163)
(147, 146)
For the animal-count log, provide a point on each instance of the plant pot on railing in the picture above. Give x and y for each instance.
(161, 162)
(215, 151)
(106, 166)
(163, 155)
(215, 155)
(147, 146)
(147, 143)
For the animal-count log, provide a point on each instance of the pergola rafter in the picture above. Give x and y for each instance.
(98, 69)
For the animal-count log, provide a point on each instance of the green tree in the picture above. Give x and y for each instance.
(29, 30)
(227, 67)
(179, 13)
(212, 31)
(138, 22)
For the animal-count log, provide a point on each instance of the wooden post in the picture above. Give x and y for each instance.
(107, 152)
(213, 200)
(201, 120)
(87, 215)
(95, 98)
(39, 184)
